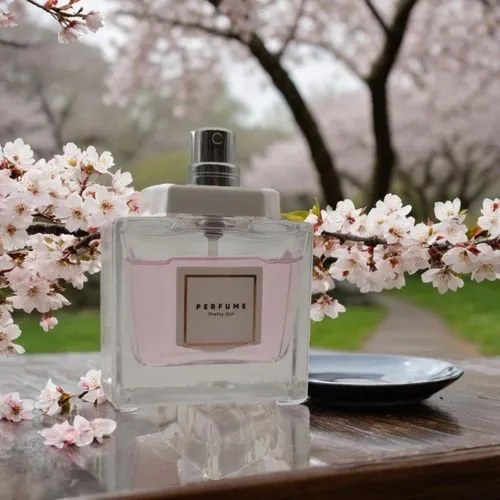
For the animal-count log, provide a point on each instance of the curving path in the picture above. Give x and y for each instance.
(414, 331)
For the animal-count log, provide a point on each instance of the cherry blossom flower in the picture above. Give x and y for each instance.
(325, 305)
(316, 221)
(37, 193)
(13, 234)
(71, 32)
(490, 220)
(452, 230)
(33, 295)
(459, 259)
(7, 184)
(392, 205)
(121, 182)
(84, 431)
(14, 409)
(71, 157)
(442, 279)
(487, 263)
(448, 210)
(7, 19)
(50, 399)
(351, 264)
(59, 435)
(344, 218)
(94, 21)
(105, 206)
(102, 428)
(414, 258)
(72, 209)
(48, 322)
(91, 384)
(421, 233)
(100, 163)
(397, 228)
(9, 332)
(19, 154)
(81, 433)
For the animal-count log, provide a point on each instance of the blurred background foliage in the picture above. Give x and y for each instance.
(436, 100)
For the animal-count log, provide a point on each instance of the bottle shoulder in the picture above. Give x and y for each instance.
(162, 224)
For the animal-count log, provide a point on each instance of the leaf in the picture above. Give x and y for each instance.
(296, 216)
(316, 209)
(475, 232)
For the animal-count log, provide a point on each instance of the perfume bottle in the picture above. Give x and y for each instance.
(205, 297)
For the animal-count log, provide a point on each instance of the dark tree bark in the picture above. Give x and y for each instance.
(320, 154)
(270, 62)
(385, 155)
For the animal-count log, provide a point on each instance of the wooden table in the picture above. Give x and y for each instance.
(448, 448)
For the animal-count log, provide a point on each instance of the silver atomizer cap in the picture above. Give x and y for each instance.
(213, 157)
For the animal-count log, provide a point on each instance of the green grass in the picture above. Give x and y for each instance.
(169, 167)
(76, 332)
(79, 331)
(349, 330)
(473, 312)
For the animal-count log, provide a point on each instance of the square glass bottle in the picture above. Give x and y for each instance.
(206, 296)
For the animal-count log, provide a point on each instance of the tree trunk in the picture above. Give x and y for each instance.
(320, 154)
(385, 157)
(377, 80)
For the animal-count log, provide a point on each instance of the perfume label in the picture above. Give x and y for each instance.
(219, 307)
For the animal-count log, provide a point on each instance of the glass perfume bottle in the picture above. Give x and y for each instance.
(205, 297)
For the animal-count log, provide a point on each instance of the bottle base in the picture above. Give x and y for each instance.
(214, 393)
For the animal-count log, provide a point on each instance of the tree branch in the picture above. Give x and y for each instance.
(270, 63)
(373, 241)
(385, 155)
(14, 44)
(293, 30)
(348, 62)
(56, 229)
(385, 61)
(378, 17)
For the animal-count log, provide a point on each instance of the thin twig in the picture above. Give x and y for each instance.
(371, 241)
(378, 17)
(293, 30)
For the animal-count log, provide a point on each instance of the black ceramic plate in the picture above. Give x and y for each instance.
(373, 380)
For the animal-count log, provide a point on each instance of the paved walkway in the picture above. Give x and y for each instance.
(411, 330)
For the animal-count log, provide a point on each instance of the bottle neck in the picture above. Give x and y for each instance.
(214, 174)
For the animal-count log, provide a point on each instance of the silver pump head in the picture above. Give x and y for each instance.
(213, 157)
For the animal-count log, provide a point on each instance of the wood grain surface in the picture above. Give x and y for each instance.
(446, 448)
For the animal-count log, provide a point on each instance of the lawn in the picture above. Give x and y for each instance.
(79, 331)
(349, 330)
(473, 312)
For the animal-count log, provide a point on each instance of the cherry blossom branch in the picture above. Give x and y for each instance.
(373, 241)
(58, 229)
(73, 20)
(59, 13)
(84, 242)
(42, 250)
(55, 229)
